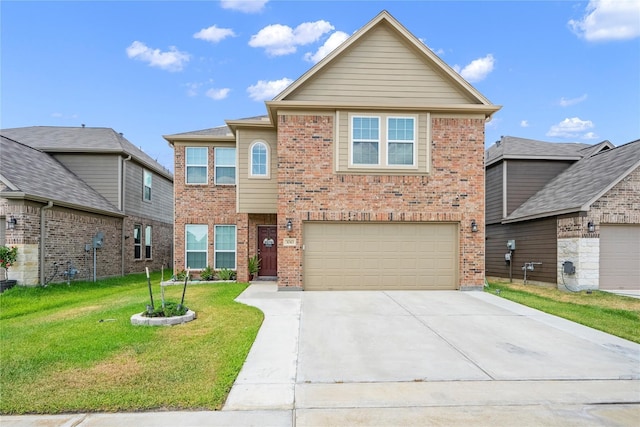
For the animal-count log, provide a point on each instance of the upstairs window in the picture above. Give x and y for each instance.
(225, 166)
(259, 158)
(196, 165)
(366, 140)
(401, 141)
(147, 179)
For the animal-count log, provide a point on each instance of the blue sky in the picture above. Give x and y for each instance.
(563, 71)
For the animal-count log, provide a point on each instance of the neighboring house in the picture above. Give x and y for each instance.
(366, 173)
(65, 185)
(566, 206)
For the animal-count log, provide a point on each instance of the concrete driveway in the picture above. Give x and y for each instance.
(438, 358)
(410, 358)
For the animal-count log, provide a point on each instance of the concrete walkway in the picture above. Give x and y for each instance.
(412, 358)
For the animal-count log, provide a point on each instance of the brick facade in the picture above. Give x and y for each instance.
(67, 232)
(619, 205)
(309, 190)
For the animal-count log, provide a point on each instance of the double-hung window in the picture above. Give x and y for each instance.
(400, 141)
(196, 245)
(383, 142)
(225, 166)
(259, 156)
(147, 179)
(225, 247)
(147, 241)
(137, 241)
(196, 165)
(366, 140)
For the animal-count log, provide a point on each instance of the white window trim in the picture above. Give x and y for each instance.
(139, 245)
(186, 168)
(148, 235)
(145, 173)
(267, 175)
(186, 250)
(414, 165)
(383, 144)
(235, 249)
(379, 141)
(216, 165)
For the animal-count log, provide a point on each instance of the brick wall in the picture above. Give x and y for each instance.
(308, 189)
(67, 231)
(206, 204)
(161, 246)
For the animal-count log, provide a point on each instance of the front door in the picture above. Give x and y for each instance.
(268, 250)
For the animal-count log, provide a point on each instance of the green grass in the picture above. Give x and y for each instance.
(73, 348)
(614, 314)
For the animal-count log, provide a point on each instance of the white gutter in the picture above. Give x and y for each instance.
(49, 205)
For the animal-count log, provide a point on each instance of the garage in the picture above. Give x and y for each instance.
(380, 256)
(620, 257)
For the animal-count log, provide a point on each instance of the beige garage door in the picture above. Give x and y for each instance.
(362, 256)
(620, 257)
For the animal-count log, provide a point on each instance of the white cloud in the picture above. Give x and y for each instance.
(572, 128)
(247, 6)
(477, 70)
(172, 60)
(590, 135)
(278, 39)
(192, 88)
(218, 94)
(264, 90)
(214, 34)
(564, 102)
(606, 20)
(524, 123)
(332, 42)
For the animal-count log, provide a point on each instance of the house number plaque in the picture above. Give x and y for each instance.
(289, 242)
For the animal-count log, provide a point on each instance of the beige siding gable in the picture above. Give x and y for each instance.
(257, 194)
(380, 67)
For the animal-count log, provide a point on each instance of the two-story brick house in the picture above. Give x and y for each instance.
(64, 185)
(366, 173)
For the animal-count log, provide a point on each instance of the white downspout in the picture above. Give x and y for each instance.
(123, 183)
(42, 240)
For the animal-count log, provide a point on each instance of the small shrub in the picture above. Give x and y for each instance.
(170, 309)
(180, 276)
(207, 273)
(226, 274)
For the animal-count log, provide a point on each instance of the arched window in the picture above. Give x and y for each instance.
(259, 159)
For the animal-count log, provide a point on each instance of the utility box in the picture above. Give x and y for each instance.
(511, 245)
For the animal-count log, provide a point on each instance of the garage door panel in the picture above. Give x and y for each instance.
(620, 256)
(380, 256)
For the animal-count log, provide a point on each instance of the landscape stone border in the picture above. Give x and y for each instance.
(140, 319)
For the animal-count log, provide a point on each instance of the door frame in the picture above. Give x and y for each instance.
(275, 227)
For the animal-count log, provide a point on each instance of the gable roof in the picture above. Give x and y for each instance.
(49, 181)
(473, 100)
(581, 184)
(58, 139)
(509, 147)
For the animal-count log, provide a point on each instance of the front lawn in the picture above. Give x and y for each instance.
(73, 348)
(614, 314)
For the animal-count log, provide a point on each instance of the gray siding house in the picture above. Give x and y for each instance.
(61, 187)
(572, 212)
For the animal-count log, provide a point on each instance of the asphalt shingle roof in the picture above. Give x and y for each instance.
(24, 169)
(82, 140)
(582, 183)
(510, 147)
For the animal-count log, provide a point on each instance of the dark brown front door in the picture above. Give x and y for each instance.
(268, 250)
